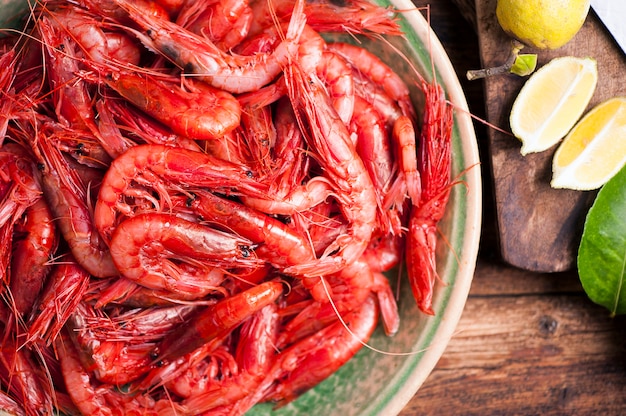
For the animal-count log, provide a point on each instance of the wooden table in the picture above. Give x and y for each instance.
(527, 343)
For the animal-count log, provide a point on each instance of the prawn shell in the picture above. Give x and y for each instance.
(217, 320)
(141, 246)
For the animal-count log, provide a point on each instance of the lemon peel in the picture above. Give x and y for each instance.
(594, 150)
(551, 101)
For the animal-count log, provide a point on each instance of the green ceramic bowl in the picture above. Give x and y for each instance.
(11, 13)
(373, 383)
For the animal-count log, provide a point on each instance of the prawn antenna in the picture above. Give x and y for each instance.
(364, 343)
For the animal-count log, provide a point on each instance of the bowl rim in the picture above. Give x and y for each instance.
(446, 76)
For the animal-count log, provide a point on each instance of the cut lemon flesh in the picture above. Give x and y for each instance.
(594, 150)
(551, 101)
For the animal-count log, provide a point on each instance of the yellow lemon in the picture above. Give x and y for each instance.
(594, 150)
(551, 101)
(544, 24)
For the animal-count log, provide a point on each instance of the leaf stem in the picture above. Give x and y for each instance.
(516, 47)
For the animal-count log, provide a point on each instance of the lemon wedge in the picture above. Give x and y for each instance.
(594, 150)
(551, 101)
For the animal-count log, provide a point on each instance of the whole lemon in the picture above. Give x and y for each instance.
(544, 24)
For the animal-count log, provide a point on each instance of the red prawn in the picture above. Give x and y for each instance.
(435, 163)
(351, 184)
(309, 361)
(198, 55)
(352, 16)
(67, 197)
(199, 111)
(32, 254)
(217, 320)
(156, 165)
(207, 388)
(163, 251)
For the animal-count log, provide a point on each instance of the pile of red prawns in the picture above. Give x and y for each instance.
(199, 201)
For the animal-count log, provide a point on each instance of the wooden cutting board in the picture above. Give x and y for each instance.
(539, 227)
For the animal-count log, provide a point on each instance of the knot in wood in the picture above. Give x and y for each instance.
(547, 325)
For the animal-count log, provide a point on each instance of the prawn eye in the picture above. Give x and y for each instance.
(249, 174)
(245, 251)
(41, 167)
(80, 149)
(192, 197)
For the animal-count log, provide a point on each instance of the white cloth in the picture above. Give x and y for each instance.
(613, 15)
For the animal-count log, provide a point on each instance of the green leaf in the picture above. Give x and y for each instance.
(602, 251)
(524, 64)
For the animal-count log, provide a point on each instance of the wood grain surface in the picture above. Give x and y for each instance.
(528, 343)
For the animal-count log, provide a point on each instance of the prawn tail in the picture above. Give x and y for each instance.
(420, 261)
(297, 22)
(390, 316)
